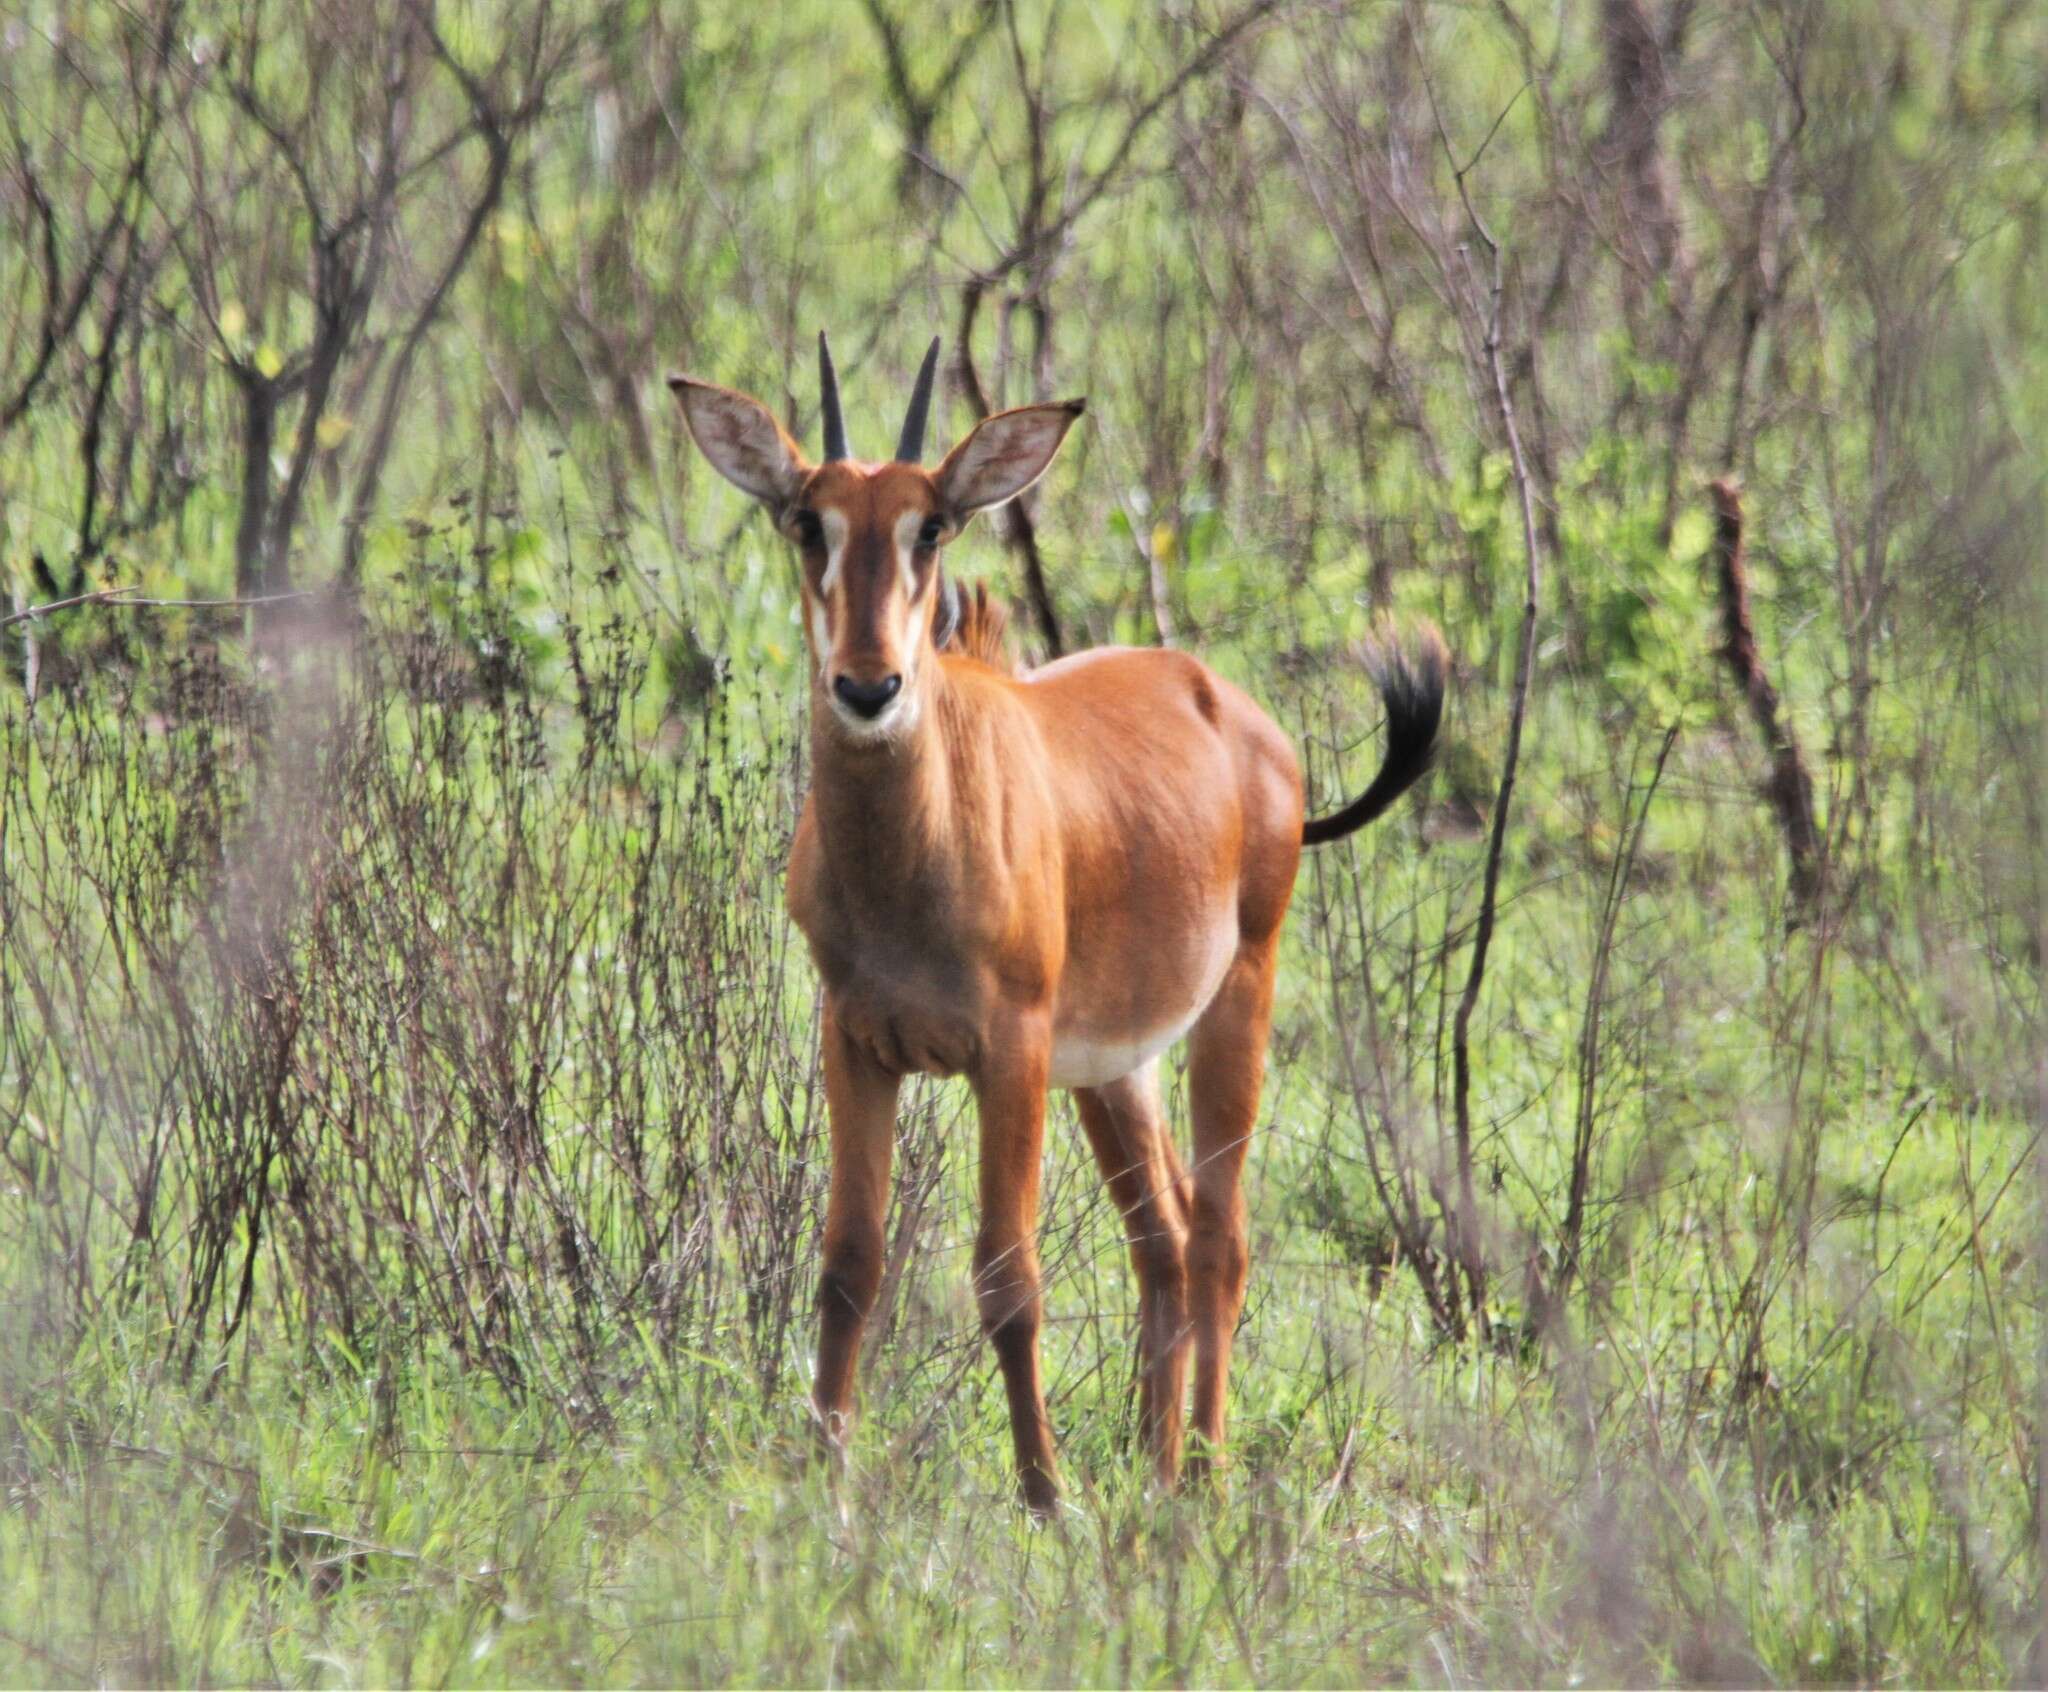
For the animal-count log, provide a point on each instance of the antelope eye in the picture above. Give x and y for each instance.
(809, 530)
(934, 526)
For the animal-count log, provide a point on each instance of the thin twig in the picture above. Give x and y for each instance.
(124, 596)
(1467, 1243)
(1197, 65)
(1018, 529)
(1629, 848)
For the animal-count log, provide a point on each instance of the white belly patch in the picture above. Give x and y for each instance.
(1093, 1057)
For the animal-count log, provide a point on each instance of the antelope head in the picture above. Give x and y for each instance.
(876, 605)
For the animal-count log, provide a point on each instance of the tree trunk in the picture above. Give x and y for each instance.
(256, 570)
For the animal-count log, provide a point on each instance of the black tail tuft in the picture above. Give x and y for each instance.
(1411, 684)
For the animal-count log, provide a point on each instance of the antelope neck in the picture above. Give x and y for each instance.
(884, 803)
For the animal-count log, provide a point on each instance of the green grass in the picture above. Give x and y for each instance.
(1779, 1440)
(1396, 1511)
(1780, 1434)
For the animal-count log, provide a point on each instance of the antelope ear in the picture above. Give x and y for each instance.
(742, 439)
(1004, 456)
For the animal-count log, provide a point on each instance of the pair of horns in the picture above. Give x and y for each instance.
(910, 448)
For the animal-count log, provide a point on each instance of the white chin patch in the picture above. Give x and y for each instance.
(897, 717)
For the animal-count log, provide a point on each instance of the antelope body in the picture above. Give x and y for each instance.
(1034, 881)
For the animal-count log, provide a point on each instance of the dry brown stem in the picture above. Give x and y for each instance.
(1790, 787)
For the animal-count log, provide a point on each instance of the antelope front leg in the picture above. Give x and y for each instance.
(860, 1098)
(1010, 1091)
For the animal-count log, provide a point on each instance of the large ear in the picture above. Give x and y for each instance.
(1004, 456)
(742, 439)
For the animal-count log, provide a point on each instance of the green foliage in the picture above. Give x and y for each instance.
(433, 984)
(1648, 602)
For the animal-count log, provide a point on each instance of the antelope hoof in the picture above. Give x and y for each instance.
(1040, 1494)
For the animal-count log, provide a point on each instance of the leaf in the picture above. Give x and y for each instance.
(1691, 533)
(269, 361)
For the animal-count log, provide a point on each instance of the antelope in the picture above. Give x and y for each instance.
(1034, 880)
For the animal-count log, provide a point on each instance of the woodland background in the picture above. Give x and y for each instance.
(411, 1142)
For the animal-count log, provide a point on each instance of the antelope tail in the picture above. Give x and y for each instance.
(1411, 685)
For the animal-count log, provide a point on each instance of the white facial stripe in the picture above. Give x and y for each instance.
(906, 538)
(834, 524)
(836, 531)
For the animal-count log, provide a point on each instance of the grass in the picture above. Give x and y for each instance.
(1781, 1436)
(1397, 1511)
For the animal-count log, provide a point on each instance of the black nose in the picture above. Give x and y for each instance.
(866, 699)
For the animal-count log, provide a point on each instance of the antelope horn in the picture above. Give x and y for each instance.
(911, 447)
(828, 393)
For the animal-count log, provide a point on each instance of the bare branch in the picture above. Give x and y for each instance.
(1034, 239)
(1790, 788)
(1466, 1243)
(125, 597)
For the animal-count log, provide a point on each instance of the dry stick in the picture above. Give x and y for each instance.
(1038, 233)
(1198, 65)
(124, 596)
(1629, 848)
(497, 130)
(920, 107)
(1155, 572)
(1790, 789)
(1018, 527)
(2038, 1664)
(1466, 1242)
